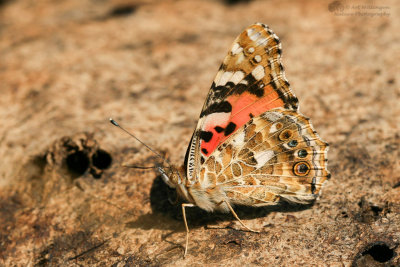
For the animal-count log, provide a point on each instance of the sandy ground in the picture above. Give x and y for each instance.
(66, 66)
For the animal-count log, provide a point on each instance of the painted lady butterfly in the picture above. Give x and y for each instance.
(251, 146)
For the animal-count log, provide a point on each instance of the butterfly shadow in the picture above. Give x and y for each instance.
(167, 215)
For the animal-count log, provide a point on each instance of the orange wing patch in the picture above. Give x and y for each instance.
(244, 107)
(250, 81)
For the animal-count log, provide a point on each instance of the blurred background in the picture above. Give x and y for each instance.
(67, 66)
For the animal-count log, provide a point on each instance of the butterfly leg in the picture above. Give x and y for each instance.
(184, 205)
(237, 218)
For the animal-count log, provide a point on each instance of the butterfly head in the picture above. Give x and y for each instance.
(175, 178)
(169, 176)
(172, 175)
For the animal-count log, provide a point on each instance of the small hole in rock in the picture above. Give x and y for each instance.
(96, 173)
(124, 10)
(101, 159)
(78, 162)
(233, 2)
(234, 242)
(376, 210)
(380, 252)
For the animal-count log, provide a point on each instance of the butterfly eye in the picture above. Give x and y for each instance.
(292, 143)
(301, 168)
(285, 135)
(302, 153)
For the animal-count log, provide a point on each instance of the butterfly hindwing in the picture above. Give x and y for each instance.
(274, 156)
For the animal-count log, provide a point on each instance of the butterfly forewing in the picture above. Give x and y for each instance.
(250, 81)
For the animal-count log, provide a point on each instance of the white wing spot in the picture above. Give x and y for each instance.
(258, 72)
(239, 138)
(272, 116)
(257, 58)
(250, 31)
(224, 78)
(263, 157)
(236, 49)
(240, 59)
(253, 37)
(273, 67)
(218, 76)
(237, 77)
(216, 119)
(229, 76)
(273, 128)
(251, 50)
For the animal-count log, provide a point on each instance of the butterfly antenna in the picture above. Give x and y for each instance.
(140, 167)
(113, 122)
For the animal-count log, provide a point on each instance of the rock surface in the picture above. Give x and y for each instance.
(66, 66)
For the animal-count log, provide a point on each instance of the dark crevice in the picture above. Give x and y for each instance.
(234, 2)
(96, 173)
(376, 210)
(380, 252)
(78, 162)
(397, 185)
(234, 242)
(369, 212)
(101, 159)
(123, 10)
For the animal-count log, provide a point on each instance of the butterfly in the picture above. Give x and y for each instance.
(251, 146)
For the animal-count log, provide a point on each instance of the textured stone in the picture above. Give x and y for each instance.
(66, 66)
